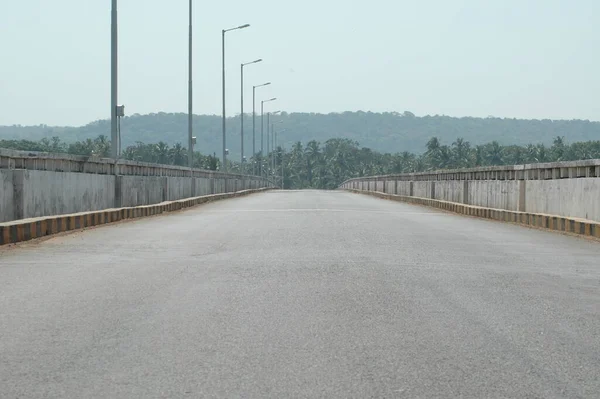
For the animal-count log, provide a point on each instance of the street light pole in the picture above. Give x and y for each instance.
(190, 109)
(268, 131)
(282, 162)
(242, 111)
(270, 137)
(262, 112)
(223, 82)
(273, 146)
(262, 109)
(114, 135)
(254, 119)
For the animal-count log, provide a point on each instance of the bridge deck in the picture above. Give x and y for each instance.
(303, 294)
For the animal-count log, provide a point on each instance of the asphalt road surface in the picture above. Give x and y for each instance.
(302, 294)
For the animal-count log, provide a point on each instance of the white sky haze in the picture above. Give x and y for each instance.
(507, 58)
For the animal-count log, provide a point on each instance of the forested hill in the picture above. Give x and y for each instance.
(385, 132)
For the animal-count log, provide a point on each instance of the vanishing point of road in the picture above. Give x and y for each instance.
(302, 294)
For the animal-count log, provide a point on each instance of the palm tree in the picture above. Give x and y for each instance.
(558, 149)
(494, 153)
(178, 155)
(102, 146)
(460, 153)
(161, 152)
(312, 154)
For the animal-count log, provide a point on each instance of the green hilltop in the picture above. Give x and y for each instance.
(389, 132)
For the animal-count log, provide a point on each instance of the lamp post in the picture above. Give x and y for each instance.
(114, 135)
(282, 159)
(273, 142)
(270, 135)
(262, 117)
(190, 110)
(242, 111)
(223, 81)
(254, 119)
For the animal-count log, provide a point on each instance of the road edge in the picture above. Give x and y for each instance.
(25, 230)
(579, 227)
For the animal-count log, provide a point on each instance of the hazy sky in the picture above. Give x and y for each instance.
(507, 58)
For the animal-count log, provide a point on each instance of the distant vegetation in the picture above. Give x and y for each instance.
(326, 165)
(384, 132)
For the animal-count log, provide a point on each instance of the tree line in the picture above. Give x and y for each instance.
(326, 165)
(385, 132)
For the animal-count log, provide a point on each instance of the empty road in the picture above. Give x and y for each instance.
(299, 294)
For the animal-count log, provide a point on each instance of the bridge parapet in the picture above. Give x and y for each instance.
(32, 160)
(36, 184)
(570, 189)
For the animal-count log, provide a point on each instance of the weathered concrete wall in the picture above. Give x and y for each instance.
(578, 198)
(179, 188)
(142, 190)
(498, 194)
(422, 189)
(55, 193)
(390, 187)
(404, 188)
(6, 195)
(203, 187)
(39, 184)
(219, 186)
(450, 190)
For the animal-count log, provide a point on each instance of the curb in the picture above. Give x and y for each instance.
(24, 230)
(581, 227)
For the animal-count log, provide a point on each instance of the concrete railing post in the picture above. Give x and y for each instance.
(522, 196)
(18, 195)
(465, 192)
(118, 191)
(165, 188)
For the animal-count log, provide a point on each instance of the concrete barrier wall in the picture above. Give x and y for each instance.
(35, 185)
(142, 190)
(179, 188)
(568, 189)
(203, 186)
(586, 228)
(403, 188)
(422, 189)
(566, 197)
(41, 193)
(219, 186)
(450, 190)
(497, 194)
(6, 195)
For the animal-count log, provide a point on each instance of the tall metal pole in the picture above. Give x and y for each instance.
(254, 120)
(262, 123)
(114, 135)
(242, 121)
(268, 136)
(190, 108)
(262, 145)
(254, 129)
(223, 79)
(273, 147)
